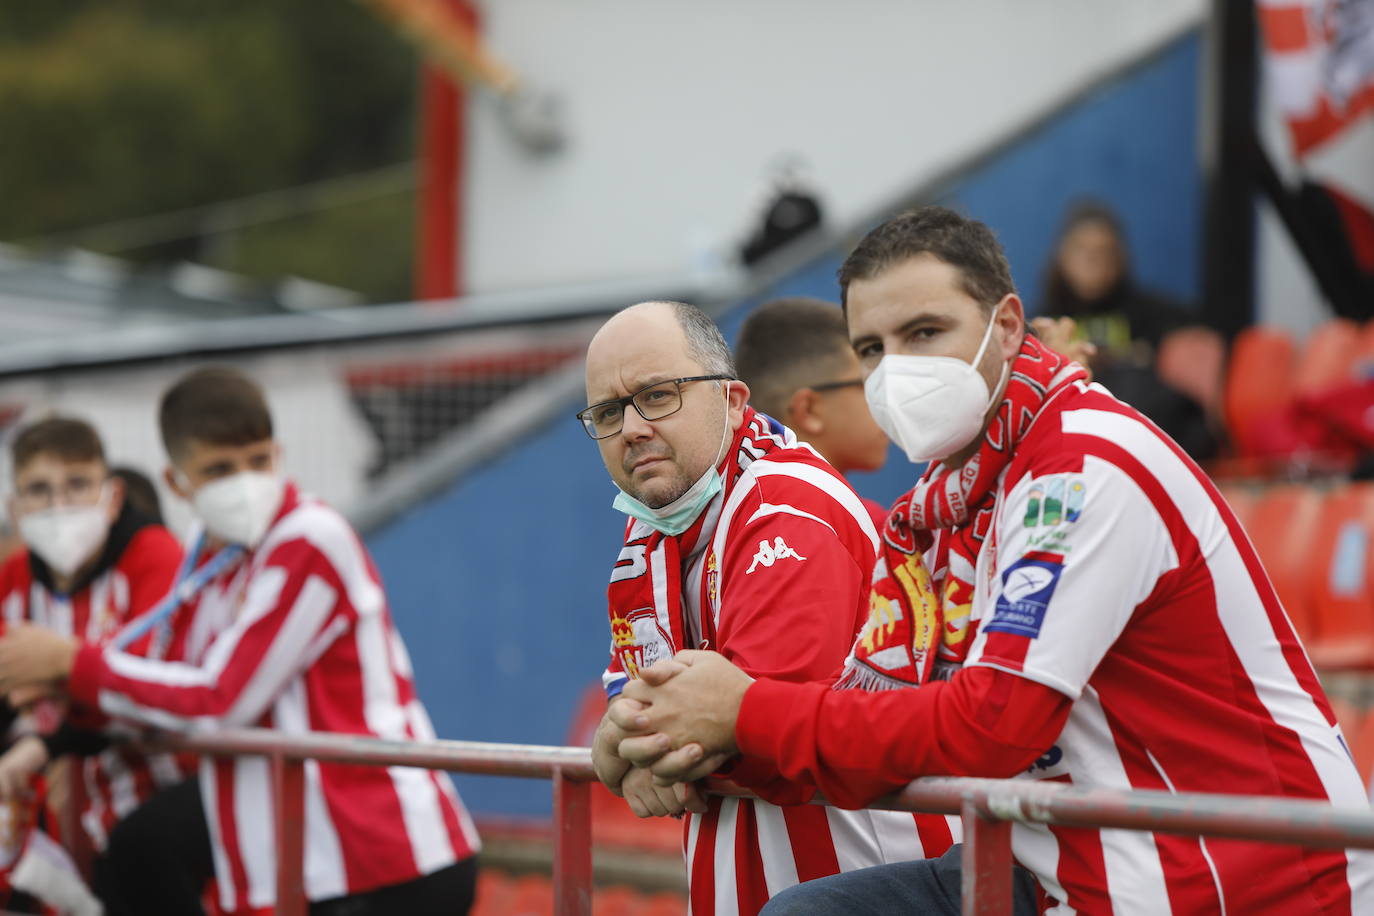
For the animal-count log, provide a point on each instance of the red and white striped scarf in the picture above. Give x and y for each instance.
(645, 595)
(917, 615)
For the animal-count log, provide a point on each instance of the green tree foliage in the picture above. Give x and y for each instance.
(113, 109)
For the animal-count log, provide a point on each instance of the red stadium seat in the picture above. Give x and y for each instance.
(664, 905)
(1341, 585)
(616, 901)
(1282, 527)
(1242, 499)
(1259, 382)
(1328, 357)
(1348, 716)
(533, 897)
(495, 893)
(1361, 744)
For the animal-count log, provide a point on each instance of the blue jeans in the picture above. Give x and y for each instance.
(927, 887)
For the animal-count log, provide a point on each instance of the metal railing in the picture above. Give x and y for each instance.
(988, 808)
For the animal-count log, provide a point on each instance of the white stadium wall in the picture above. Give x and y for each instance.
(677, 111)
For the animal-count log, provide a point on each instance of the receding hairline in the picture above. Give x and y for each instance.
(701, 337)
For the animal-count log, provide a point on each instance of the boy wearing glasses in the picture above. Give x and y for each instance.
(795, 356)
(92, 563)
(741, 542)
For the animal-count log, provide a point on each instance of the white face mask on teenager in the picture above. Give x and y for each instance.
(239, 508)
(66, 537)
(931, 406)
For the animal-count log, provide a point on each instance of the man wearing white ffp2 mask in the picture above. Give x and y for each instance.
(936, 371)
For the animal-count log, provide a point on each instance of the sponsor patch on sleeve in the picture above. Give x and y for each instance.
(1027, 586)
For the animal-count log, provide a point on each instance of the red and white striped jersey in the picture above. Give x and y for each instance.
(778, 583)
(296, 636)
(1117, 576)
(136, 570)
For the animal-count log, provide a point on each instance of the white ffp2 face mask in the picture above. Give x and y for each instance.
(931, 406)
(239, 508)
(66, 537)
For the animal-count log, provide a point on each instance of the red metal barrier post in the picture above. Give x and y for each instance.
(572, 846)
(986, 862)
(288, 780)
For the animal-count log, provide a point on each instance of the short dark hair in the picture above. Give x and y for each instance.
(955, 239)
(66, 437)
(216, 405)
(787, 344)
(139, 492)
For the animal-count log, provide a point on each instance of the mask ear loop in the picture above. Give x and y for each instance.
(987, 336)
(725, 422)
(982, 348)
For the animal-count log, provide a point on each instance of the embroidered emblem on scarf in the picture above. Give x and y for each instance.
(946, 518)
(647, 613)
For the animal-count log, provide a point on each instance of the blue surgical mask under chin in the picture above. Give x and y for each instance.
(678, 515)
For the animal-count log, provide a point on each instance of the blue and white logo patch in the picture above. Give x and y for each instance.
(1027, 586)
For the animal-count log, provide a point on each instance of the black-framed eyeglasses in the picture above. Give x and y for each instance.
(652, 402)
(74, 491)
(832, 386)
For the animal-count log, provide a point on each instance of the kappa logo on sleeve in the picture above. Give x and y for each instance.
(771, 553)
(1027, 586)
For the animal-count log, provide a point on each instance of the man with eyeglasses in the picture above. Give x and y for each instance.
(743, 541)
(92, 563)
(795, 356)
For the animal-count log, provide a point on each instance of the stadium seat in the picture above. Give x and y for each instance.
(1361, 744)
(615, 901)
(533, 897)
(1282, 527)
(1328, 357)
(495, 893)
(1348, 716)
(1341, 585)
(499, 894)
(664, 904)
(1242, 499)
(1259, 382)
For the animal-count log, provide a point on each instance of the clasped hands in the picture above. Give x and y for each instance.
(32, 661)
(671, 726)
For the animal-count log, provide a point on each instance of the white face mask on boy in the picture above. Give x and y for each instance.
(66, 537)
(239, 508)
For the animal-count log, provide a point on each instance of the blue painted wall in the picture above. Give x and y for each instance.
(499, 585)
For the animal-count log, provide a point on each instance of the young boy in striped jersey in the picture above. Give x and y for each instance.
(287, 629)
(92, 563)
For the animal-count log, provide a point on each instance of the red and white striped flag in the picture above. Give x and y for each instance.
(1320, 64)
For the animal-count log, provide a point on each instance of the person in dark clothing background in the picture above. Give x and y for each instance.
(1151, 352)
